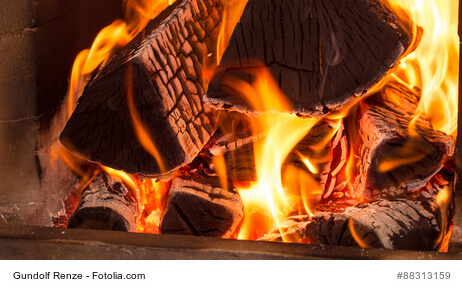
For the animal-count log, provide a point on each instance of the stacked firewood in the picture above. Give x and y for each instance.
(323, 54)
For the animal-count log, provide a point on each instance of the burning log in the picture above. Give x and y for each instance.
(322, 153)
(148, 96)
(320, 52)
(398, 152)
(199, 205)
(410, 223)
(106, 204)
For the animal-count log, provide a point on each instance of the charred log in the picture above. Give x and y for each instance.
(156, 77)
(321, 53)
(198, 205)
(402, 223)
(106, 204)
(398, 152)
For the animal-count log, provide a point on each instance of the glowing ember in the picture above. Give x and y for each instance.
(270, 153)
(153, 201)
(111, 38)
(277, 193)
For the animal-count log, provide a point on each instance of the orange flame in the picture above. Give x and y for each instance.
(232, 12)
(220, 167)
(153, 200)
(445, 242)
(142, 132)
(283, 132)
(275, 195)
(355, 235)
(112, 36)
(127, 179)
(443, 199)
(109, 39)
(433, 67)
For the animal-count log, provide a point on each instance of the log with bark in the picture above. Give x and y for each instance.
(107, 204)
(398, 152)
(414, 222)
(200, 205)
(156, 80)
(321, 53)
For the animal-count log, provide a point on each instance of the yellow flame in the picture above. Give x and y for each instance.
(444, 247)
(220, 167)
(299, 184)
(311, 167)
(110, 38)
(321, 145)
(127, 179)
(433, 67)
(283, 132)
(153, 198)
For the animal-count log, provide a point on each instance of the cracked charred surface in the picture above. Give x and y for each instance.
(106, 204)
(320, 52)
(166, 67)
(396, 157)
(402, 223)
(199, 206)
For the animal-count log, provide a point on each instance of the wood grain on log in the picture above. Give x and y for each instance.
(395, 156)
(198, 205)
(401, 223)
(320, 52)
(106, 204)
(165, 65)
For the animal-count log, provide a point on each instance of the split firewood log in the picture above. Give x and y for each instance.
(407, 223)
(154, 82)
(199, 205)
(398, 152)
(321, 53)
(239, 156)
(107, 204)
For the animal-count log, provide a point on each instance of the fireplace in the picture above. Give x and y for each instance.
(52, 182)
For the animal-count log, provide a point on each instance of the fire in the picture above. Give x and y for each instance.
(109, 39)
(142, 133)
(231, 15)
(355, 235)
(153, 200)
(443, 199)
(433, 67)
(267, 195)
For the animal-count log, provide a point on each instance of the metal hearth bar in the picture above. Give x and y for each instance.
(26, 242)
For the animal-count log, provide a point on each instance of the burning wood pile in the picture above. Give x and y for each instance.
(296, 124)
